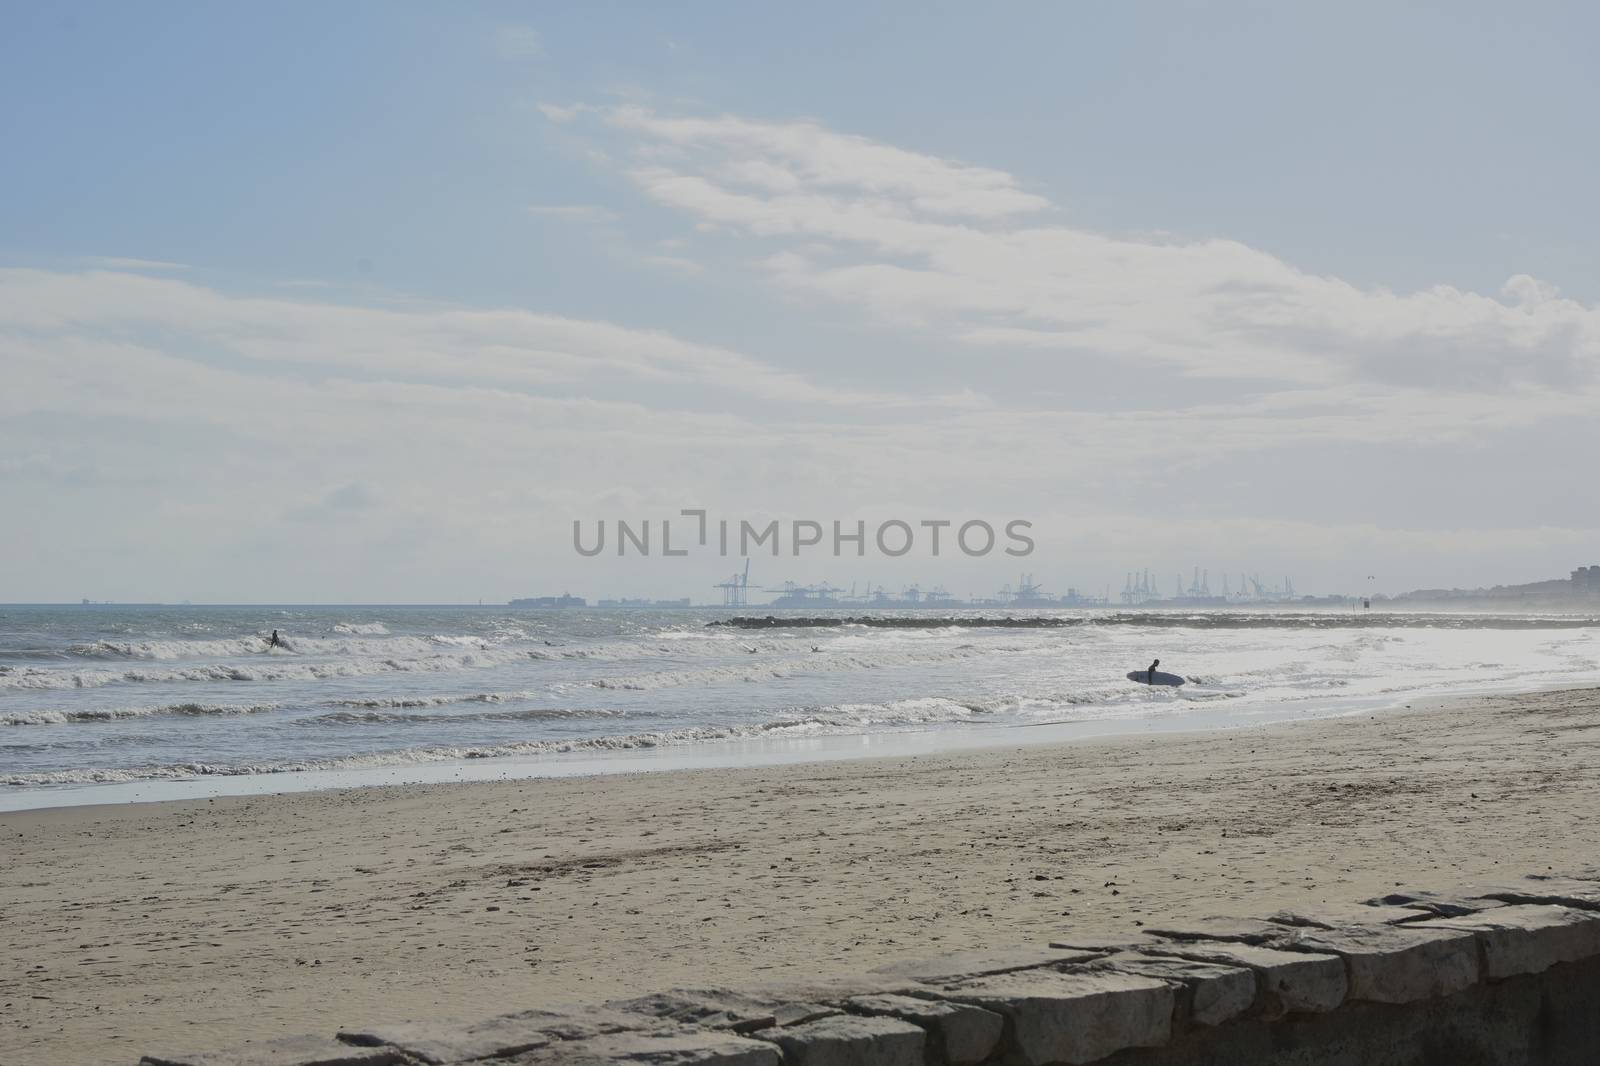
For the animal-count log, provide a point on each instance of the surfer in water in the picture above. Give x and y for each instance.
(274, 642)
(1152, 666)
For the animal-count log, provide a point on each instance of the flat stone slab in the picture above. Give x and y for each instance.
(851, 1040)
(962, 1033)
(1104, 944)
(1287, 981)
(1237, 930)
(1443, 904)
(500, 1037)
(1528, 939)
(721, 1008)
(1342, 916)
(1073, 1017)
(964, 964)
(1215, 993)
(1561, 891)
(1398, 964)
(838, 987)
(682, 1046)
(294, 1051)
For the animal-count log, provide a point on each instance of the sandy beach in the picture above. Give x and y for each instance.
(204, 924)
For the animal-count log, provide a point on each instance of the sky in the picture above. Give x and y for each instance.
(372, 302)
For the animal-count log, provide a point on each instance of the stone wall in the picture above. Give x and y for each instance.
(1507, 975)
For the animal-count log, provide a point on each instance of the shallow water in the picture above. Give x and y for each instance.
(101, 694)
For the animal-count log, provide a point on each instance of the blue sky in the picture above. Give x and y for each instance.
(1187, 284)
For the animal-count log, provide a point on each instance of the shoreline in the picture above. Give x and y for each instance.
(202, 924)
(732, 752)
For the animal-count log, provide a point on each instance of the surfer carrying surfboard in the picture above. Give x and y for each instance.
(1153, 677)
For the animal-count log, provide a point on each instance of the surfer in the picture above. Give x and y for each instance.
(274, 642)
(1153, 671)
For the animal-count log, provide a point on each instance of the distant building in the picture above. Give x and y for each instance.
(566, 599)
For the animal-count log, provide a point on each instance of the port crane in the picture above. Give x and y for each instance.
(735, 590)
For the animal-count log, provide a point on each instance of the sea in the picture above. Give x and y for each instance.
(105, 703)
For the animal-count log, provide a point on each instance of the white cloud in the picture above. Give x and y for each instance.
(954, 248)
(781, 156)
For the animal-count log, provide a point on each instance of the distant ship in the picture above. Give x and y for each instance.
(566, 599)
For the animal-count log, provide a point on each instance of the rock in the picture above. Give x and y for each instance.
(721, 1008)
(1286, 981)
(1213, 993)
(1073, 1017)
(851, 1040)
(501, 1037)
(961, 1034)
(1528, 939)
(1238, 930)
(294, 1051)
(980, 963)
(1398, 964)
(682, 1046)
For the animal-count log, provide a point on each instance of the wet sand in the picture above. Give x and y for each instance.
(201, 924)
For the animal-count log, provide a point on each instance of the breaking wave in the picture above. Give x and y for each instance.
(115, 714)
(361, 629)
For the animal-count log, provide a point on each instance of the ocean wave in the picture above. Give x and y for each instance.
(531, 714)
(446, 653)
(267, 668)
(115, 714)
(169, 649)
(436, 701)
(833, 719)
(759, 670)
(351, 640)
